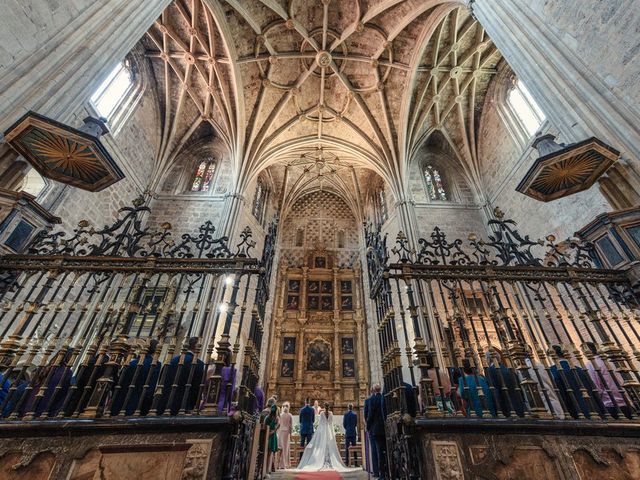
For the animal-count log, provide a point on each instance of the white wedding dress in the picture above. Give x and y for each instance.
(322, 451)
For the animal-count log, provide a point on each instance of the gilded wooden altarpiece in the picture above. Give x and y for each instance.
(318, 343)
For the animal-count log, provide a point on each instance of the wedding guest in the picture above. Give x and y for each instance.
(350, 424)
(459, 404)
(284, 436)
(610, 389)
(374, 452)
(441, 385)
(547, 388)
(83, 382)
(259, 401)
(14, 387)
(569, 382)
(506, 386)
(54, 380)
(182, 381)
(376, 426)
(410, 399)
(271, 422)
(468, 390)
(316, 407)
(133, 379)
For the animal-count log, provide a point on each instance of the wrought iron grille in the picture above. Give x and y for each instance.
(130, 321)
(503, 327)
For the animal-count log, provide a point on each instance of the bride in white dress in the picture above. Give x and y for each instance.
(322, 451)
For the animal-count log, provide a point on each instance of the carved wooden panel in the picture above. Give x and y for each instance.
(610, 464)
(317, 348)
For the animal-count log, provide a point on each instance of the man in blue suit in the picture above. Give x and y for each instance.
(307, 417)
(374, 452)
(376, 417)
(350, 424)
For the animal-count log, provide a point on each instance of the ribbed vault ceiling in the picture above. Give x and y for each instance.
(364, 81)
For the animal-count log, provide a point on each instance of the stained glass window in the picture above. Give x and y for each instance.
(435, 186)
(203, 177)
(208, 176)
(197, 180)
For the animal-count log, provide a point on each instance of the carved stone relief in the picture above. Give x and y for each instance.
(99, 456)
(197, 460)
(447, 461)
(527, 463)
(39, 467)
(610, 463)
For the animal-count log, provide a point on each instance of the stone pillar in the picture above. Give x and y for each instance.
(230, 215)
(55, 77)
(299, 364)
(571, 94)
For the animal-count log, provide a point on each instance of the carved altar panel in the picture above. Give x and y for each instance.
(318, 347)
(446, 457)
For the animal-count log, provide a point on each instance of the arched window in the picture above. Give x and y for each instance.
(434, 183)
(299, 237)
(260, 200)
(118, 95)
(112, 92)
(525, 108)
(203, 177)
(34, 183)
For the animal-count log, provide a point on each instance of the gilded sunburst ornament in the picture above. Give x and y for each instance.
(62, 153)
(568, 170)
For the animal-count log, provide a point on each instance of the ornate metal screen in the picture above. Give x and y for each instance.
(503, 327)
(126, 321)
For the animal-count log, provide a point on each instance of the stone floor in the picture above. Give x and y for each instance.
(329, 475)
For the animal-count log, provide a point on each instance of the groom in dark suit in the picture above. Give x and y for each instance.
(307, 417)
(376, 416)
(350, 424)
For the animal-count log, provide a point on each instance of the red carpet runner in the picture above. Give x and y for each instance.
(318, 476)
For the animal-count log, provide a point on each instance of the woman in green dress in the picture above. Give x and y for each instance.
(272, 425)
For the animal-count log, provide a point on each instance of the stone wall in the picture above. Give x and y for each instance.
(26, 26)
(168, 449)
(604, 36)
(504, 164)
(474, 450)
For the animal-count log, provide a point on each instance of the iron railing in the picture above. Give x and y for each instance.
(126, 321)
(502, 327)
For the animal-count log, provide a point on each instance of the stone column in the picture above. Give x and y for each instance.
(58, 75)
(299, 366)
(571, 94)
(234, 203)
(337, 367)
